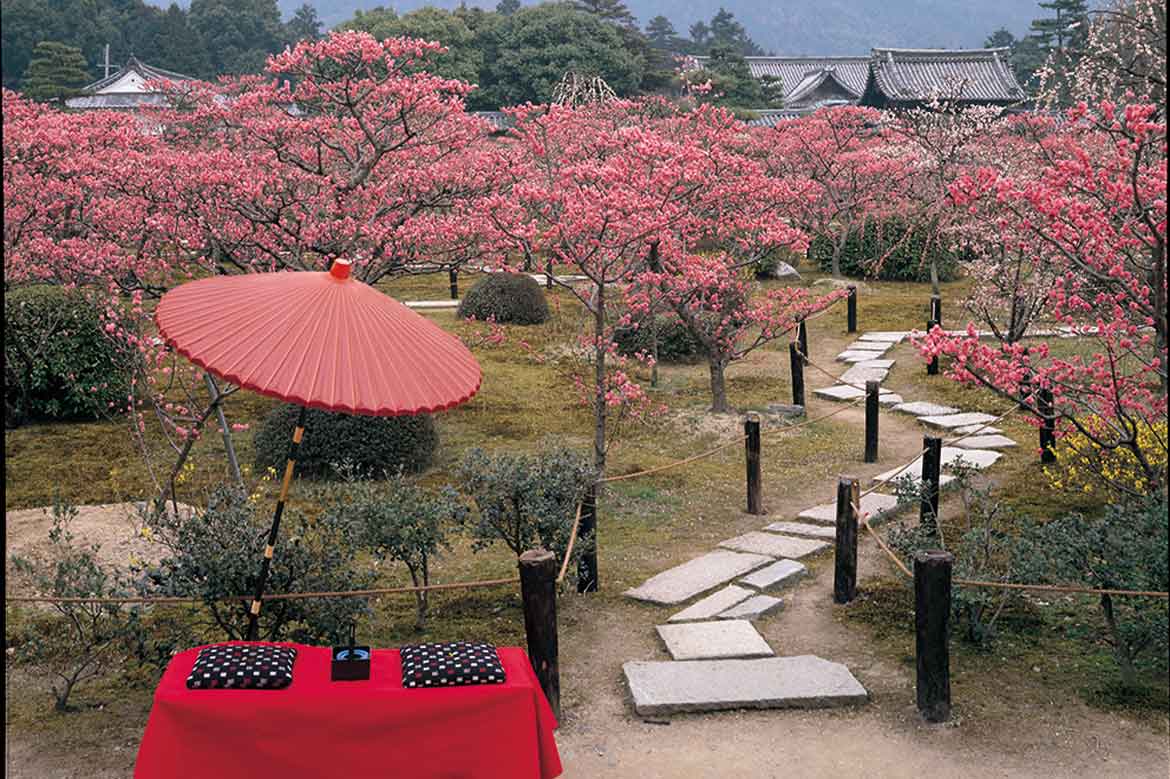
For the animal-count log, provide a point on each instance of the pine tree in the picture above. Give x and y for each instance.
(610, 10)
(1059, 40)
(660, 32)
(55, 72)
(304, 25)
(507, 7)
(1001, 38)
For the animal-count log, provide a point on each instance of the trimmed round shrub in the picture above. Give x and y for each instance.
(58, 363)
(508, 298)
(870, 241)
(675, 342)
(372, 445)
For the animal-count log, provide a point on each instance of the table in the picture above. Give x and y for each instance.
(364, 729)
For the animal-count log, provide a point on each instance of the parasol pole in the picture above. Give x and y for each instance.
(266, 563)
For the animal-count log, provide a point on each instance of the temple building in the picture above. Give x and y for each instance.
(124, 90)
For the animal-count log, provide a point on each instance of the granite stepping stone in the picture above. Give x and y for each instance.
(875, 505)
(949, 421)
(972, 458)
(859, 375)
(855, 356)
(802, 529)
(943, 479)
(985, 442)
(884, 337)
(773, 545)
(802, 682)
(432, 304)
(846, 392)
(683, 582)
(753, 608)
(714, 640)
(713, 604)
(980, 429)
(921, 408)
(779, 574)
(870, 346)
(889, 398)
(881, 364)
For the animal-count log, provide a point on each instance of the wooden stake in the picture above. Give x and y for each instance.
(755, 494)
(845, 554)
(851, 310)
(453, 278)
(932, 616)
(538, 590)
(872, 393)
(936, 309)
(802, 339)
(931, 467)
(1047, 408)
(932, 366)
(587, 579)
(797, 366)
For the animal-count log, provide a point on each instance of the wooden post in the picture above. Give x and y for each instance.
(931, 466)
(932, 366)
(548, 275)
(932, 616)
(797, 374)
(538, 590)
(802, 339)
(1046, 406)
(936, 309)
(453, 277)
(872, 391)
(845, 554)
(851, 310)
(755, 489)
(587, 532)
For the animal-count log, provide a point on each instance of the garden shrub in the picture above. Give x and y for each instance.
(372, 445)
(871, 240)
(524, 500)
(676, 343)
(74, 642)
(58, 364)
(506, 298)
(215, 555)
(402, 522)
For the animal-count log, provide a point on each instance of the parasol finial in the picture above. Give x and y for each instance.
(340, 269)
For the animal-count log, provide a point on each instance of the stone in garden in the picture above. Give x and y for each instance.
(685, 581)
(882, 364)
(774, 546)
(786, 409)
(950, 421)
(889, 398)
(713, 604)
(921, 408)
(779, 574)
(839, 392)
(853, 356)
(916, 477)
(753, 608)
(980, 429)
(889, 338)
(977, 459)
(860, 375)
(985, 442)
(802, 682)
(875, 505)
(782, 271)
(430, 304)
(802, 529)
(714, 640)
(870, 346)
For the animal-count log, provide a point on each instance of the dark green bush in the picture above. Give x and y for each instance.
(58, 364)
(869, 242)
(371, 445)
(675, 341)
(508, 298)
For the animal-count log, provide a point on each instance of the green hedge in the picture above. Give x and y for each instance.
(906, 262)
(675, 342)
(58, 363)
(373, 445)
(508, 298)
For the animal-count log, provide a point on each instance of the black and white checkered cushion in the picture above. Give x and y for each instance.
(243, 666)
(451, 664)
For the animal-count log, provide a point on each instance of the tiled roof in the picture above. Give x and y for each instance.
(850, 71)
(813, 81)
(135, 65)
(773, 117)
(917, 75)
(497, 119)
(125, 89)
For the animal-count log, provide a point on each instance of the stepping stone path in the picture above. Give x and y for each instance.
(720, 660)
(874, 505)
(773, 545)
(714, 640)
(432, 304)
(779, 574)
(805, 682)
(715, 604)
(803, 529)
(685, 581)
(753, 608)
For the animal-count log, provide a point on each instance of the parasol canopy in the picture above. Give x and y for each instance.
(318, 339)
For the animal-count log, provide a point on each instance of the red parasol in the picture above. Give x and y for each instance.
(320, 340)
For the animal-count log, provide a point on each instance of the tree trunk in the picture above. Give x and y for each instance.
(718, 386)
(837, 247)
(654, 349)
(1120, 647)
(229, 447)
(600, 411)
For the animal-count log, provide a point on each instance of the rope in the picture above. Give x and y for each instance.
(572, 540)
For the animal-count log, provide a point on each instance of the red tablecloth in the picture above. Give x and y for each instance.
(376, 728)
